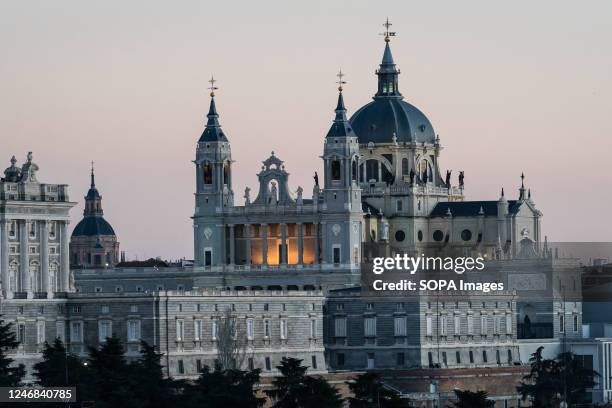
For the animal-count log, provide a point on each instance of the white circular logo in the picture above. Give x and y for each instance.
(208, 232)
(336, 229)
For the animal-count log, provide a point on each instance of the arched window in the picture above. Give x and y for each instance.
(354, 170)
(208, 173)
(405, 169)
(335, 169)
(226, 173)
(425, 170)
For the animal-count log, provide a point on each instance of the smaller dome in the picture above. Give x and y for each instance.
(91, 227)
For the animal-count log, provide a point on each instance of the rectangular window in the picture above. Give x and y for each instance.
(497, 324)
(268, 364)
(133, 330)
(197, 330)
(250, 329)
(497, 357)
(429, 328)
(457, 325)
(214, 330)
(370, 326)
(458, 357)
(399, 205)
(40, 332)
(508, 323)
(399, 326)
(199, 365)
(76, 332)
(470, 324)
(443, 325)
(444, 359)
(251, 364)
(104, 309)
(430, 359)
(561, 323)
(400, 359)
(60, 330)
(371, 363)
(575, 323)
(336, 254)
(207, 257)
(283, 329)
(180, 330)
(314, 362)
(32, 229)
(484, 356)
(509, 356)
(483, 325)
(340, 327)
(104, 330)
(13, 229)
(181, 367)
(21, 335)
(313, 329)
(471, 357)
(267, 329)
(340, 359)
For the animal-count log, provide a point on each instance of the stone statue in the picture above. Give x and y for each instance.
(300, 191)
(412, 174)
(247, 195)
(316, 179)
(384, 230)
(448, 178)
(29, 169)
(461, 177)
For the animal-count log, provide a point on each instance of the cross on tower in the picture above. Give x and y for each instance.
(388, 33)
(212, 86)
(340, 82)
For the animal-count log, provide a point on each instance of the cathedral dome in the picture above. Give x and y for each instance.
(92, 226)
(388, 115)
(380, 119)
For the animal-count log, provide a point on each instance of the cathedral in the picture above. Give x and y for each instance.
(288, 262)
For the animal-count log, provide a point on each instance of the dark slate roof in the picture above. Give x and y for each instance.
(378, 120)
(92, 226)
(213, 132)
(472, 208)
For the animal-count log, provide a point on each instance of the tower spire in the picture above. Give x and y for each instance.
(341, 126)
(522, 189)
(212, 131)
(93, 176)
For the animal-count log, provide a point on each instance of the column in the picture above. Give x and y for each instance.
(247, 236)
(324, 255)
(64, 270)
(24, 267)
(44, 256)
(300, 244)
(317, 246)
(4, 258)
(283, 254)
(379, 170)
(264, 244)
(232, 245)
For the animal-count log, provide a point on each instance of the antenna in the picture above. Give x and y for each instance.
(340, 82)
(212, 86)
(388, 33)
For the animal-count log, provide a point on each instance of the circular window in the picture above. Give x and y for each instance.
(466, 235)
(420, 235)
(438, 235)
(400, 236)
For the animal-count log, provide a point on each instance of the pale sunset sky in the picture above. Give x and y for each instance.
(509, 87)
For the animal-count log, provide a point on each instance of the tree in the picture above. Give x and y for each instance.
(294, 389)
(151, 387)
(58, 368)
(470, 399)
(551, 381)
(231, 344)
(110, 381)
(224, 388)
(368, 391)
(10, 375)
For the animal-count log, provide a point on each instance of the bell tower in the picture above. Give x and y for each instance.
(214, 193)
(341, 209)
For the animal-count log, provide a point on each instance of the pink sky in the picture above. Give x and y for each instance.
(509, 87)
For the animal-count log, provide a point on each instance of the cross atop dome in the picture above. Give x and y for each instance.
(340, 82)
(212, 86)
